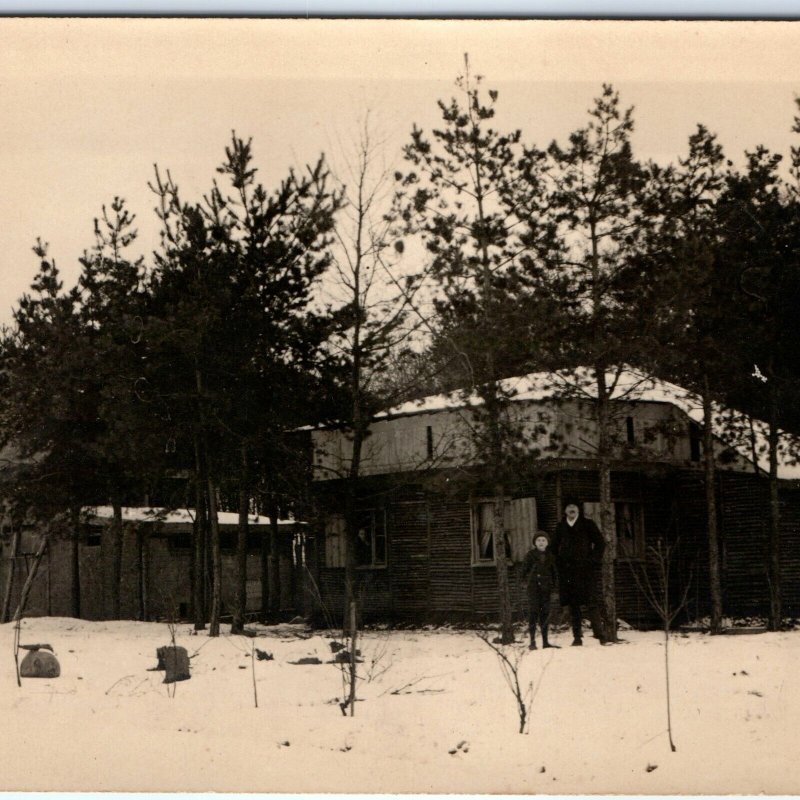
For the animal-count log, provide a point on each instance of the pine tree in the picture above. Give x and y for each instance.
(472, 194)
(233, 290)
(596, 210)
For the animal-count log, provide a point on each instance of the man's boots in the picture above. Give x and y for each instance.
(545, 642)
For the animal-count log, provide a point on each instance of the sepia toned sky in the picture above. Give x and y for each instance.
(88, 106)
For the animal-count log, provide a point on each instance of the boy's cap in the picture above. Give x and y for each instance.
(542, 535)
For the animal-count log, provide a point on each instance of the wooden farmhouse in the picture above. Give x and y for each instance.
(425, 548)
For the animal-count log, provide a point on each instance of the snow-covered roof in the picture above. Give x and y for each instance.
(627, 385)
(176, 516)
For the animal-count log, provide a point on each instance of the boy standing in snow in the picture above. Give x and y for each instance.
(539, 573)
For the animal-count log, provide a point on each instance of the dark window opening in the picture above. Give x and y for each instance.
(694, 441)
(371, 539)
(182, 541)
(429, 440)
(629, 518)
(93, 536)
(483, 532)
(629, 429)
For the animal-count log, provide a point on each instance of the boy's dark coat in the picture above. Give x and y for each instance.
(539, 571)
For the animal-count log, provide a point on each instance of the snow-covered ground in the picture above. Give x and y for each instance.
(436, 715)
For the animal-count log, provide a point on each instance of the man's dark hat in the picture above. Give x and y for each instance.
(571, 500)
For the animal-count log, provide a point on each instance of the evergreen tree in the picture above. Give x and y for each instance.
(760, 252)
(691, 308)
(472, 193)
(595, 203)
(233, 286)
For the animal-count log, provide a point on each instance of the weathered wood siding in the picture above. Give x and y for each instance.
(430, 574)
(565, 429)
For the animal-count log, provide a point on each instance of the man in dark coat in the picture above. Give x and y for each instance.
(578, 547)
(539, 574)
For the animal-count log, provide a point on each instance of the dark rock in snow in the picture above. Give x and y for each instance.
(343, 657)
(39, 664)
(263, 655)
(174, 661)
(306, 660)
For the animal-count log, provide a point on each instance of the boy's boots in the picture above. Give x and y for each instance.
(545, 642)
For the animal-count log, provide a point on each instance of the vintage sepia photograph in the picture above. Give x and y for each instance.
(400, 406)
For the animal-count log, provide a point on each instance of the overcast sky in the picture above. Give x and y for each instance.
(88, 106)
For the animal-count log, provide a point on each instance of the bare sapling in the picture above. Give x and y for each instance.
(172, 627)
(17, 627)
(23, 601)
(253, 670)
(347, 659)
(10, 573)
(657, 594)
(26, 588)
(511, 658)
(345, 651)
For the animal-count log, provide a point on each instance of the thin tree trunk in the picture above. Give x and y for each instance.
(353, 656)
(216, 559)
(240, 604)
(75, 559)
(10, 572)
(664, 565)
(774, 548)
(141, 554)
(265, 548)
(715, 583)
(501, 556)
(26, 588)
(115, 534)
(274, 561)
(753, 441)
(199, 536)
(608, 579)
(351, 526)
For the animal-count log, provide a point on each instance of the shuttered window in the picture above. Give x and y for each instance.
(519, 522)
(334, 541)
(370, 543)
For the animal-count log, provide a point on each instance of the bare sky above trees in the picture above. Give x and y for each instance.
(88, 106)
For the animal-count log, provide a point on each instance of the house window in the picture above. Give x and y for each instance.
(181, 540)
(629, 521)
(93, 535)
(694, 441)
(630, 431)
(483, 531)
(371, 538)
(429, 440)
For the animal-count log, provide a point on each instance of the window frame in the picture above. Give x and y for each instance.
(374, 518)
(475, 505)
(639, 530)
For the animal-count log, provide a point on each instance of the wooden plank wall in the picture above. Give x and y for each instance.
(430, 575)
